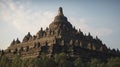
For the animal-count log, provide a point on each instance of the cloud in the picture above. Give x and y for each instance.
(25, 20)
(85, 27)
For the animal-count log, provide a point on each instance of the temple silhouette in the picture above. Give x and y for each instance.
(59, 37)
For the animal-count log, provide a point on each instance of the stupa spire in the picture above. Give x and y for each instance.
(60, 11)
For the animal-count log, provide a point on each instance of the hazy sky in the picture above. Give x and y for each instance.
(99, 17)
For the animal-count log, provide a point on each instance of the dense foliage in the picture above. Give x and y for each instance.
(59, 60)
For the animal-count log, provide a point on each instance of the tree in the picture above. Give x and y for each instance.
(16, 62)
(50, 63)
(4, 62)
(113, 62)
(61, 59)
(78, 62)
(95, 63)
(24, 63)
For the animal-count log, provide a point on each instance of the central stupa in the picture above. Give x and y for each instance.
(60, 23)
(59, 37)
(62, 26)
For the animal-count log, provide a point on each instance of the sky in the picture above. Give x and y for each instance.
(99, 17)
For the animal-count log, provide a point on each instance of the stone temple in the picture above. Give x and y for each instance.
(59, 37)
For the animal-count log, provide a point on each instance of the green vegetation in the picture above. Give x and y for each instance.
(59, 60)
